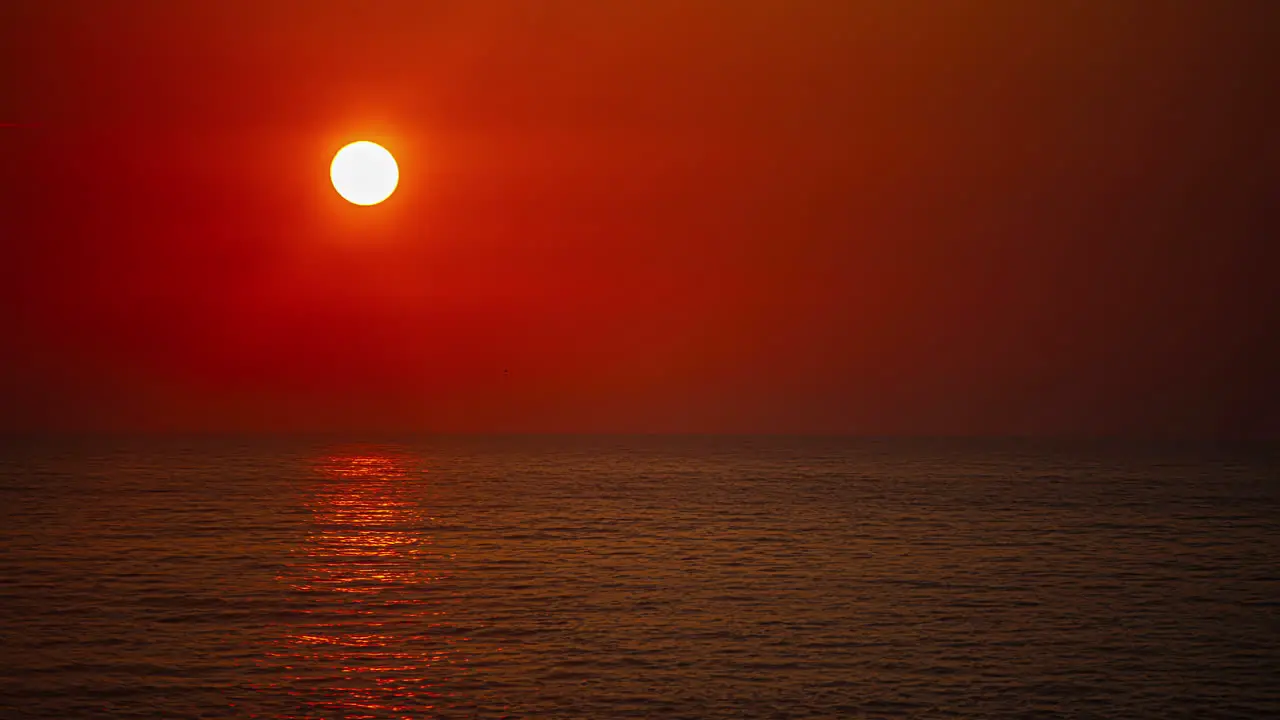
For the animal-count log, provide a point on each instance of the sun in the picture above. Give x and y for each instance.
(364, 173)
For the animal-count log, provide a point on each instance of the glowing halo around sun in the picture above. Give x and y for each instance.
(364, 173)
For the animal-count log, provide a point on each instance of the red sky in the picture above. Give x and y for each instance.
(863, 217)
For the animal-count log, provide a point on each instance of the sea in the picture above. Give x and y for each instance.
(665, 577)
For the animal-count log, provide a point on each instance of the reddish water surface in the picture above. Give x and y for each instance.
(637, 577)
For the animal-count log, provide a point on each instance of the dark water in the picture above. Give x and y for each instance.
(637, 577)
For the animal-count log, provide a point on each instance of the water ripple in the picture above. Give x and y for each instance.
(681, 578)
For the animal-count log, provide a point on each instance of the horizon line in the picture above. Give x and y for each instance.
(423, 434)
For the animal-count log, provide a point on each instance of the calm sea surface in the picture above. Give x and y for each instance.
(637, 577)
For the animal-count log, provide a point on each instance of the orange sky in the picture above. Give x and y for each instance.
(933, 217)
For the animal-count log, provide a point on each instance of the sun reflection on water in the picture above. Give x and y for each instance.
(368, 634)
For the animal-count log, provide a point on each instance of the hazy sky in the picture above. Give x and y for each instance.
(869, 217)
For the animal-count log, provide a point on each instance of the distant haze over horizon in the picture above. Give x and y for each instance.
(950, 218)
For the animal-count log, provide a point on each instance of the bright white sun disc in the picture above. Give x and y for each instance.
(364, 173)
